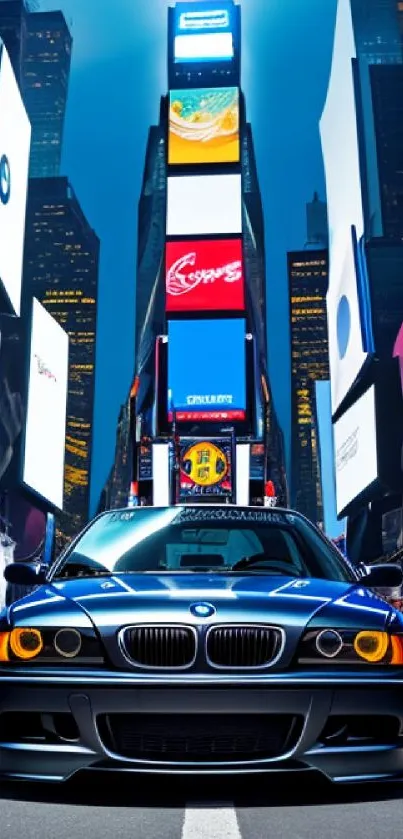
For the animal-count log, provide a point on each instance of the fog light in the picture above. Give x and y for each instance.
(26, 643)
(67, 642)
(372, 646)
(329, 643)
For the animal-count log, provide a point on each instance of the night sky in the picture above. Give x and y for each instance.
(118, 74)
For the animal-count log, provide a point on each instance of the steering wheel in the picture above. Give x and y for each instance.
(263, 560)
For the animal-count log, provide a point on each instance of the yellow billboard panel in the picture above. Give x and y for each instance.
(204, 126)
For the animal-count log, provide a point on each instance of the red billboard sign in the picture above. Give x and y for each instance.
(205, 276)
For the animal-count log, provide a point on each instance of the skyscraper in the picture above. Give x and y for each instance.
(39, 45)
(13, 14)
(307, 281)
(376, 31)
(61, 270)
(151, 240)
(387, 110)
(46, 68)
(316, 223)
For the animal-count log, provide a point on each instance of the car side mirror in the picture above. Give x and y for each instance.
(384, 575)
(25, 573)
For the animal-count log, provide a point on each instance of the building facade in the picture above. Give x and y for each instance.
(61, 270)
(46, 70)
(13, 31)
(316, 223)
(377, 30)
(151, 241)
(307, 282)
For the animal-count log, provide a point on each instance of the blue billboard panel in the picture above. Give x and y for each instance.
(207, 370)
(203, 32)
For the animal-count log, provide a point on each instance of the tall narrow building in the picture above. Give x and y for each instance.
(316, 223)
(151, 240)
(46, 69)
(308, 281)
(61, 270)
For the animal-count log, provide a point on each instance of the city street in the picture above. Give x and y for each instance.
(160, 808)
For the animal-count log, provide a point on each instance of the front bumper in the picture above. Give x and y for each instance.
(86, 697)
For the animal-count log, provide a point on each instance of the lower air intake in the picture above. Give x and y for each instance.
(199, 738)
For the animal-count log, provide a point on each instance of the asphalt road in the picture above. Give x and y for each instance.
(177, 808)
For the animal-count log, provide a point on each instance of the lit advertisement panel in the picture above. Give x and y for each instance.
(12, 397)
(347, 287)
(15, 138)
(204, 276)
(204, 126)
(207, 370)
(203, 33)
(206, 468)
(205, 17)
(200, 205)
(355, 445)
(46, 410)
(212, 46)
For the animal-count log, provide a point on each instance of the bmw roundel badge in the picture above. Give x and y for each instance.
(202, 610)
(5, 179)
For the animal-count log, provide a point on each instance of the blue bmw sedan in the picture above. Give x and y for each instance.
(201, 639)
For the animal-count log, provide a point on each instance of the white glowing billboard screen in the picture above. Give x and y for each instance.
(15, 138)
(355, 447)
(338, 127)
(45, 431)
(200, 205)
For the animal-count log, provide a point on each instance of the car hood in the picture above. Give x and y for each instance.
(119, 600)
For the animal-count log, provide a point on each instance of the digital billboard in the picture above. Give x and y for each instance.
(200, 205)
(355, 446)
(207, 370)
(204, 276)
(15, 138)
(12, 396)
(349, 332)
(204, 126)
(206, 468)
(203, 32)
(45, 431)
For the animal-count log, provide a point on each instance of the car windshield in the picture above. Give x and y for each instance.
(201, 539)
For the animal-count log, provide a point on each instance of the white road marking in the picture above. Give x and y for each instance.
(211, 823)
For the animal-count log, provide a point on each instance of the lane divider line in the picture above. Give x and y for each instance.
(218, 822)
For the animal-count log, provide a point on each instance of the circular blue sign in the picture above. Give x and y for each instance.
(202, 610)
(5, 179)
(343, 325)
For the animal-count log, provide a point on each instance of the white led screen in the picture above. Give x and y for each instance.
(355, 448)
(45, 432)
(338, 128)
(161, 469)
(206, 47)
(204, 204)
(15, 138)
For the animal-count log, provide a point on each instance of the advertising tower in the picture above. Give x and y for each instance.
(201, 405)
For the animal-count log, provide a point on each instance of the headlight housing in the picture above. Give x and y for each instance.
(59, 645)
(346, 646)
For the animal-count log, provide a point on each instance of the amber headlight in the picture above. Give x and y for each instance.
(50, 646)
(26, 643)
(341, 646)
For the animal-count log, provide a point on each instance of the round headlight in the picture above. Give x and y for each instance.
(372, 646)
(67, 642)
(329, 643)
(26, 643)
